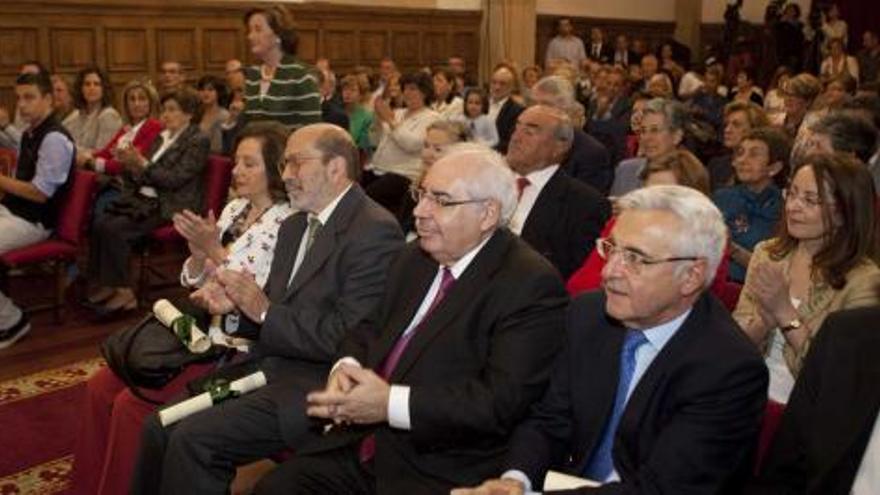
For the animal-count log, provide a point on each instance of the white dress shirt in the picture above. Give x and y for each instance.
(537, 180)
(495, 108)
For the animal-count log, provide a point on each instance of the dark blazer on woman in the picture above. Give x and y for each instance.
(176, 175)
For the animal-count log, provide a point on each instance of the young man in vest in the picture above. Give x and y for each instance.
(29, 203)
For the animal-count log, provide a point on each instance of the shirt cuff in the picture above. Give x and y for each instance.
(99, 164)
(398, 407)
(517, 475)
(346, 360)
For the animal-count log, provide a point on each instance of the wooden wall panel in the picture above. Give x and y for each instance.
(16, 46)
(72, 48)
(126, 50)
(374, 46)
(176, 44)
(220, 45)
(130, 38)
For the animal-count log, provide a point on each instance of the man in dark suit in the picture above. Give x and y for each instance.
(829, 439)
(558, 216)
(597, 48)
(657, 389)
(609, 114)
(623, 56)
(327, 275)
(462, 345)
(332, 110)
(587, 160)
(503, 109)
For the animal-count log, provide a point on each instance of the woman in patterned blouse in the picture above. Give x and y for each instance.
(242, 239)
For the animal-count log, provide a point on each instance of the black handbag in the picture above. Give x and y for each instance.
(149, 355)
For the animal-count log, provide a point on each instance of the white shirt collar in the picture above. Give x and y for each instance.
(328, 210)
(461, 265)
(659, 335)
(539, 178)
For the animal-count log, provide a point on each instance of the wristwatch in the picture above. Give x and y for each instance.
(792, 325)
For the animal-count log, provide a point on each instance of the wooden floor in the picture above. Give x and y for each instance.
(49, 345)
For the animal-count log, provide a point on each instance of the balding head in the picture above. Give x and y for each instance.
(543, 137)
(320, 162)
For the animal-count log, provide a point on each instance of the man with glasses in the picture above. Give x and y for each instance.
(657, 390)
(327, 275)
(426, 394)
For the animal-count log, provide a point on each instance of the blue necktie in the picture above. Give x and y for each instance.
(601, 465)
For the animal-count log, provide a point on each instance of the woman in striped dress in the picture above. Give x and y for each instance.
(281, 88)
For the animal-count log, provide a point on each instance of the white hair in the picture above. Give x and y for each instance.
(491, 179)
(703, 233)
(560, 89)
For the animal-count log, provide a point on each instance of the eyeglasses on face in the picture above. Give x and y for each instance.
(440, 200)
(633, 260)
(808, 200)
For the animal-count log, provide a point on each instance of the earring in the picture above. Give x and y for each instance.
(277, 40)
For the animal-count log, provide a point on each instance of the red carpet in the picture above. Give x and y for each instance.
(39, 417)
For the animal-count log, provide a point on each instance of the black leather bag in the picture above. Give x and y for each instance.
(149, 355)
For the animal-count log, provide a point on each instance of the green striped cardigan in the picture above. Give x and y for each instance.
(292, 99)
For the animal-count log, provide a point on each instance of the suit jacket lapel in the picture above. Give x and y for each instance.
(472, 281)
(408, 302)
(285, 256)
(546, 208)
(327, 238)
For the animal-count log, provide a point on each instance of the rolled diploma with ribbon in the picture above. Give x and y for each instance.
(175, 413)
(166, 313)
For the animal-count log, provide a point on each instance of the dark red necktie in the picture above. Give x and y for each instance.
(368, 447)
(521, 184)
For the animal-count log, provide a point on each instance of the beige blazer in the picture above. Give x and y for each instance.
(862, 289)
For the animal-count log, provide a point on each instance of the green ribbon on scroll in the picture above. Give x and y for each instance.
(219, 390)
(182, 327)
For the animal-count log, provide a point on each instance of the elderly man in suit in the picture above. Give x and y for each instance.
(503, 109)
(327, 275)
(587, 160)
(426, 394)
(657, 389)
(829, 439)
(559, 216)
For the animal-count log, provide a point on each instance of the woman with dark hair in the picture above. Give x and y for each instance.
(400, 135)
(94, 122)
(752, 206)
(165, 181)
(281, 88)
(214, 95)
(838, 62)
(141, 108)
(446, 103)
(821, 261)
(475, 117)
(745, 89)
(774, 99)
(243, 239)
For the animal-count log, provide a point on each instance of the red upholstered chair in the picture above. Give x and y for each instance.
(218, 175)
(8, 159)
(769, 425)
(62, 248)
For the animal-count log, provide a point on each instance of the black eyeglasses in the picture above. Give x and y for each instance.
(418, 194)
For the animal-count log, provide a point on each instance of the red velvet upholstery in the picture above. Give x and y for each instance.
(772, 417)
(73, 218)
(218, 175)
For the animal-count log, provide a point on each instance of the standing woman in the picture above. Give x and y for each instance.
(446, 103)
(165, 181)
(821, 262)
(281, 88)
(95, 121)
(214, 95)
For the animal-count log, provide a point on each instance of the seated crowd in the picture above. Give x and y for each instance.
(617, 263)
